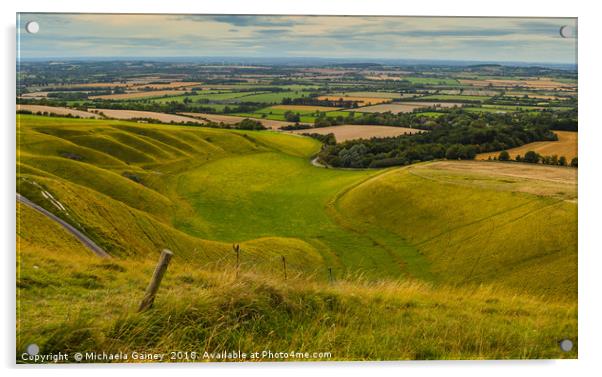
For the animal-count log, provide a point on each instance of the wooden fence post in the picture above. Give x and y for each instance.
(284, 266)
(330, 274)
(237, 251)
(153, 286)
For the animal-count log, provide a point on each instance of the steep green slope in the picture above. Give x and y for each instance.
(110, 180)
(136, 188)
(474, 227)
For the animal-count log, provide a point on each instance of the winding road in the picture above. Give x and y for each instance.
(87, 242)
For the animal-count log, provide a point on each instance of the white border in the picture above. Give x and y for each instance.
(590, 313)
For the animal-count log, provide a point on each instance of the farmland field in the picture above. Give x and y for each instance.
(362, 101)
(232, 119)
(536, 84)
(57, 110)
(405, 107)
(373, 95)
(450, 97)
(565, 146)
(135, 95)
(275, 97)
(354, 132)
(133, 114)
(302, 108)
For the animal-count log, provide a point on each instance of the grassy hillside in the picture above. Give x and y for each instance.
(487, 229)
(438, 260)
(71, 301)
(137, 188)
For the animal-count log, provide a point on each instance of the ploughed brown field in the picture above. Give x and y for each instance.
(356, 131)
(565, 146)
(231, 119)
(39, 109)
(134, 114)
(404, 107)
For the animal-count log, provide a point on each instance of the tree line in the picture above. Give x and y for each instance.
(533, 157)
(457, 135)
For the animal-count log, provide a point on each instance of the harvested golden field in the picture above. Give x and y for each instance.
(362, 101)
(35, 95)
(171, 85)
(39, 109)
(382, 77)
(353, 132)
(231, 119)
(134, 114)
(470, 92)
(405, 107)
(305, 108)
(554, 181)
(543, 83)
(145, 94)
(533, 95)
(565, 146)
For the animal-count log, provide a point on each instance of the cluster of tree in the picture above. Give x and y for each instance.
(533, 157)
(46, 113)
(459, 136)
(70, 95)
(312, 100)
(326, 139)
(292, 117)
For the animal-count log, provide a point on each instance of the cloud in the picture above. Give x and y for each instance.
(365, 37)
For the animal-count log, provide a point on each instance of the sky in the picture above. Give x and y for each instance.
(531, 40)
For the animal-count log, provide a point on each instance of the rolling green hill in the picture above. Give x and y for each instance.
(487, 229)
(427, 250)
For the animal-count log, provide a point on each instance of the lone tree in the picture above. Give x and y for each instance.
(504, 156)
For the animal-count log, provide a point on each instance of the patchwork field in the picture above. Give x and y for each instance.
(353, 132)
(565, 146)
